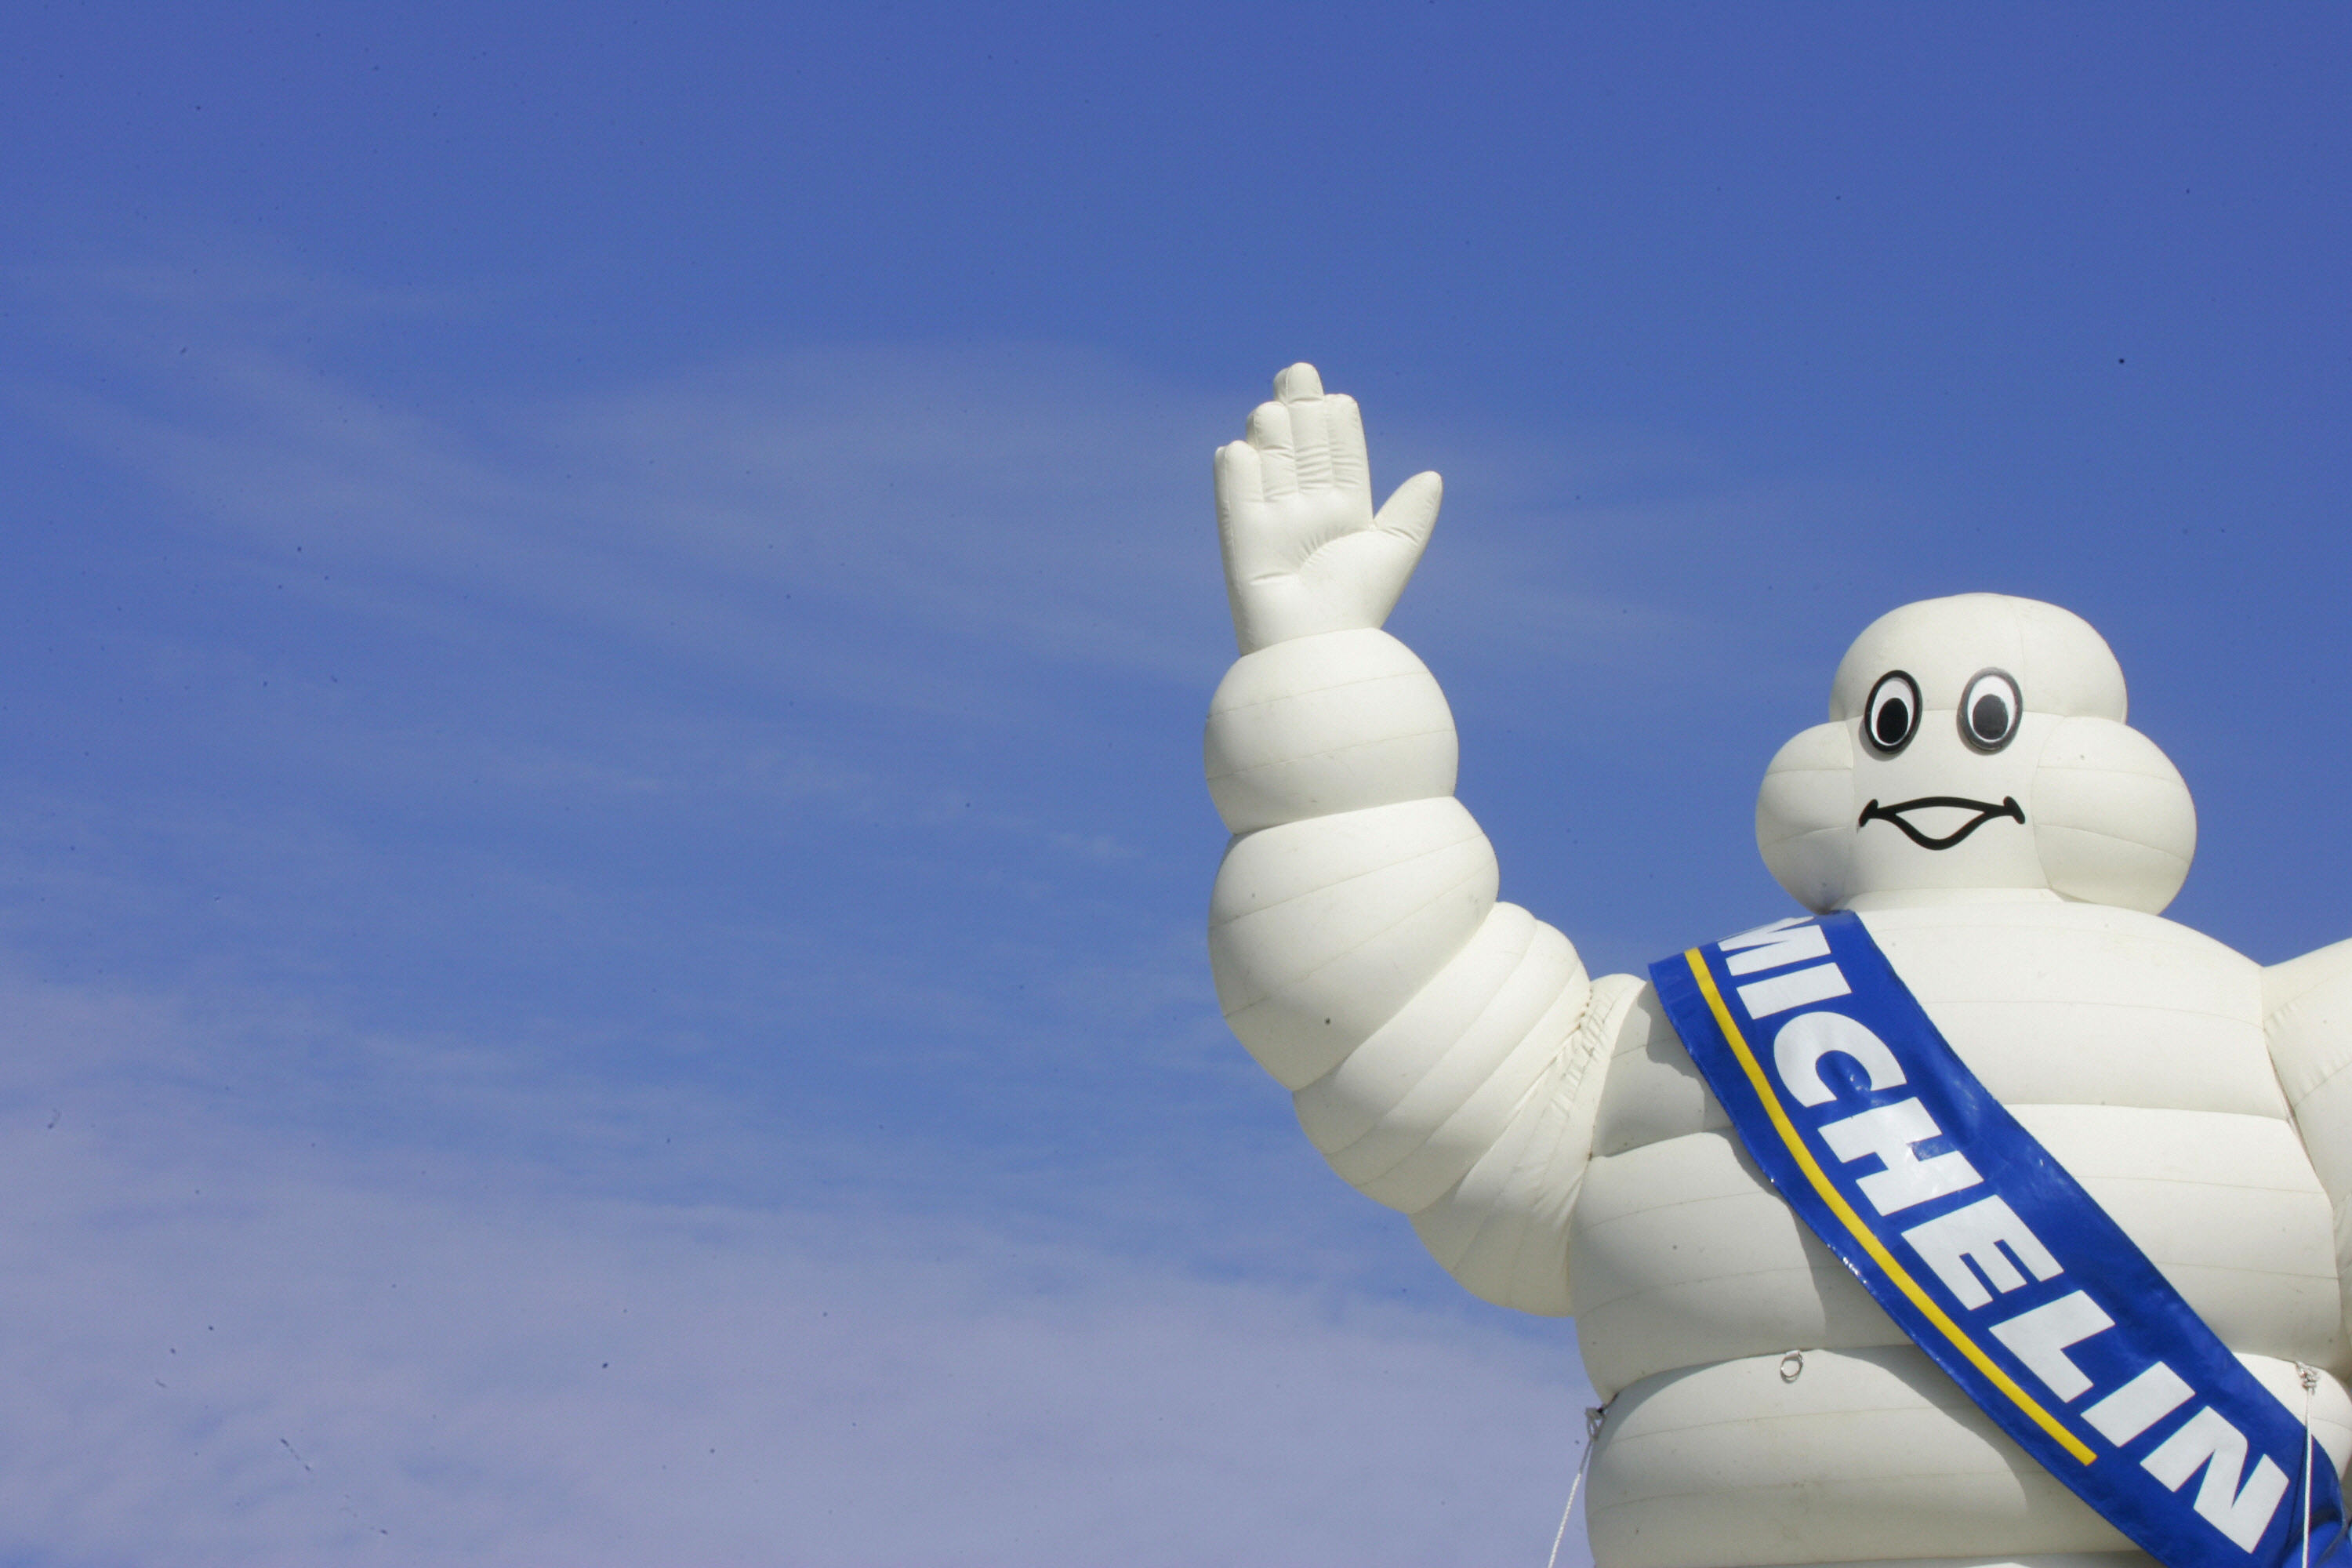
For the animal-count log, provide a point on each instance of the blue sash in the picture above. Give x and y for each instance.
(1989, 1255)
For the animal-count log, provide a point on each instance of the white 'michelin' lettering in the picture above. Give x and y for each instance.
(1805, 1039)
(1756, 935)
(2040, 1335)
(1774, 950)
(1796, 988)
(1986, 1234)
(2138, 1405)
(2205, 1438)
(1889, 1131)
(1951, 1242)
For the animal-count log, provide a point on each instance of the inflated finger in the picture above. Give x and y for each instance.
(1298, 382)
(1239, 482)
(1271, 432)
(1310, 441)
(1344, 430)
(1269, 425)
(1411, 512)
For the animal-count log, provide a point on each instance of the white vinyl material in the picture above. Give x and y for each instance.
(1557, 1151)
(1335, 722)
(1863, 1453)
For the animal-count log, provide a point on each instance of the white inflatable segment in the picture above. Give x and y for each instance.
(1860, 1455)
(1681, 1255)
(2057, 1003)
(1327, 723)
(1468, 1113)
(2309, 1011)
(1320, 930)
(2227, 1206)
(1804, 815)
(2064, 667)
(2112, 819)
(1403, 1122)
(1503, 1230)
(1979, 800)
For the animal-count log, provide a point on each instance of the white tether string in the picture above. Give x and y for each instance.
(2310, 1380)
(1592, 1418)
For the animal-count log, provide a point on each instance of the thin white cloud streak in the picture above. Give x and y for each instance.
(422, 1317)
(230, 1345)
(1029, 495)
(712, 515)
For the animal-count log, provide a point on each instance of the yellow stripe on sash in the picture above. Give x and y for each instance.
(1863, 1233)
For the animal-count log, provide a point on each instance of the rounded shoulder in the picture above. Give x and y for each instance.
(2053, 1004)
(2001, 923)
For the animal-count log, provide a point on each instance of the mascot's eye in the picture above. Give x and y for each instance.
(1990, 710)
(1891, 717)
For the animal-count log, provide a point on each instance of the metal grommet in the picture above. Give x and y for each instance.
(1792, 1366)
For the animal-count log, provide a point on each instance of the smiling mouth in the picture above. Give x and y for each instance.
(1984, 813)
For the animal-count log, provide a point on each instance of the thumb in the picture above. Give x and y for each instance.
(1411, 512)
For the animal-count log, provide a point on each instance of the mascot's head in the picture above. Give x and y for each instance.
(1976, 743)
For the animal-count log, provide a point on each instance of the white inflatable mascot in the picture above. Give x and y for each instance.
(1978, 801)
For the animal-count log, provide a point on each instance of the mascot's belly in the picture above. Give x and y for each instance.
(2133, 1050)
(1865, 1454)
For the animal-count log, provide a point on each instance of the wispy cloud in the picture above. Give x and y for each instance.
(616, 974)
(795, 516)
(768, 513)
(232, 1344)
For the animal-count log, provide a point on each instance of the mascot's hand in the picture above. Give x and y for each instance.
(1304, 550)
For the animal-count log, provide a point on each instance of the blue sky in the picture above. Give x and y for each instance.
(601, 848)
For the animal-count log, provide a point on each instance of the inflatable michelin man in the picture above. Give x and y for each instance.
(1979, 803)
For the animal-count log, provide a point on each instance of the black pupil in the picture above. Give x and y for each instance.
(1989, 717)
(1894, 721)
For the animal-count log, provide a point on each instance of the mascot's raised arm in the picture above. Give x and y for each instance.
(1979, 1216)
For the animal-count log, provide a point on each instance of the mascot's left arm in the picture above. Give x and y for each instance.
(1445, 1051)
(2307, 1013)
